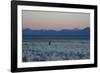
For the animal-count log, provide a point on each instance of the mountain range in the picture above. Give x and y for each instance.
(63, 32)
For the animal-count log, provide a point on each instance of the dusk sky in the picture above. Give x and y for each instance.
(43, 20)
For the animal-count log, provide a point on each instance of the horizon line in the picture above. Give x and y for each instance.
(57, 29)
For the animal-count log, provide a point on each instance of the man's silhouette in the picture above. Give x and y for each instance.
(49, 42)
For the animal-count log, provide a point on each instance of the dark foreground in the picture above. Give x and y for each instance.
(34, 50)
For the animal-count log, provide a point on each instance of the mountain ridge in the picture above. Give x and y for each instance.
(67, 32)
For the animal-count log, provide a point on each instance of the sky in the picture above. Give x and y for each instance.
(46, 20)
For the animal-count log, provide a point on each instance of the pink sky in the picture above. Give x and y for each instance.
(37, 20)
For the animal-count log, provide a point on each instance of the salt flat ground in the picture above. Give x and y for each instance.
(52, 50)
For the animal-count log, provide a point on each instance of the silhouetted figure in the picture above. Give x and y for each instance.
(49, 42)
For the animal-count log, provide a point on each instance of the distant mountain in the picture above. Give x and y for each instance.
(63, 32)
